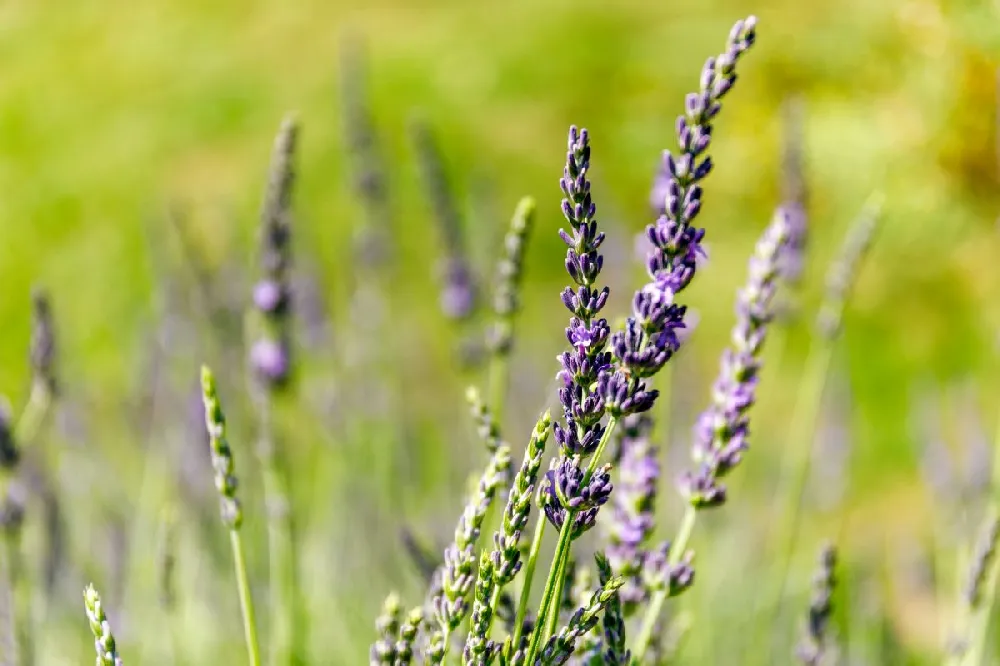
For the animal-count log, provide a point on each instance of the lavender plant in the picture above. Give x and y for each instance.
(969, 648)
(795, 470)
(271, 362)
(722, 432)
(231, 511)
(458, 291)
(507, 301)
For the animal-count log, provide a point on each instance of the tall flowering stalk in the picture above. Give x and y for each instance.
(507, 301)
(270, 358)
(977, 596)
(458, 290)
(840, 281)
(722, 431)
(571, 494)
(231, 510)
(450, 603)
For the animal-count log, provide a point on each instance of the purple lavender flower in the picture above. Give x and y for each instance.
(631, 519)
(269, 356)
(43, 343)
(723, 429)
(586, 363)
(650, 337)
(458, 291)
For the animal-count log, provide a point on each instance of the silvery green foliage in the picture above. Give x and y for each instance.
(104, 639)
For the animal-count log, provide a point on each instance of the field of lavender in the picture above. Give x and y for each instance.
(330, 334)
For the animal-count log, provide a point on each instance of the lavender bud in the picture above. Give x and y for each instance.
(478, 643)
(458, 295)
(222, 455)
(486, 426)
(43, 342)
(812, 647)
(383, 650)
(721, 435)
(407, 636)
(10, 455)
(104, 639)
(615, 652)
(561, 646)
(507, 541)
(844, 270)
(982, 560)
(506, 295)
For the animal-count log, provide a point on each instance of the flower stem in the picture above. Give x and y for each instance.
(246, 600)
(677, 549)
(552, 585)
(529, 574)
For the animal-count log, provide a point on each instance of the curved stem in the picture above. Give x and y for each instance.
(677, 549)
(246, 600)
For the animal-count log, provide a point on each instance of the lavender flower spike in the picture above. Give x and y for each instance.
(450, 605)
(813, 646)
(43, 343)
(650, 337)
(383, 651)
(458, 291)
(104, 639)
(631, 518)
(844, 271)
(722, 432)
(560, 647)
(269, 356)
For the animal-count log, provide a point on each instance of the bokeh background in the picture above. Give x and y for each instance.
(134, 144)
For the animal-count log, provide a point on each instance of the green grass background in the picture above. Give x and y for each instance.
(113, 113)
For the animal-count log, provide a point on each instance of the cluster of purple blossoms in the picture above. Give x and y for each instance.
(722, 431)
(269, 356)
(587, 364)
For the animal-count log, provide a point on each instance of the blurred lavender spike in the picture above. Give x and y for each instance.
(507, 292)
(794, 193)
(458, 291)
(844, 270)
(43, 343)
(383, 650)
(722, 432)
(272, 297)
(815, 639)
(370, 182)
(982, 561)
(631, 520)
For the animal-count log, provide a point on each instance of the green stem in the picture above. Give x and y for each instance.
(246, 600)
(548, 613)
(552, 586)
(281, 546)
(795, 473)
(677, 549)
(529, 575)
(499, 368)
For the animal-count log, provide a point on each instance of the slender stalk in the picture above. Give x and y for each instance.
(677, 549)
(552, 585)
(529, 575)
(246, 599)
(280, 542)
(548, 613)
(979, 620)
